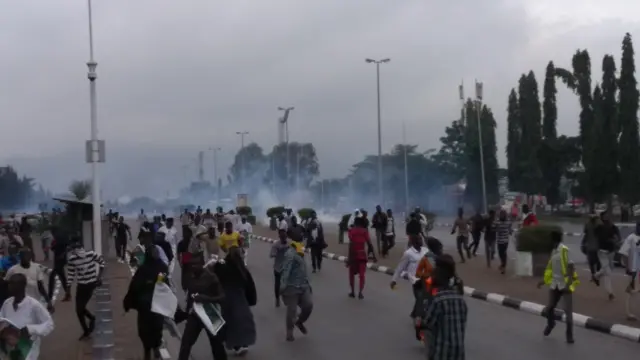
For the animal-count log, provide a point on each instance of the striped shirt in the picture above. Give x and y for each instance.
(503, 231)
(84, 266)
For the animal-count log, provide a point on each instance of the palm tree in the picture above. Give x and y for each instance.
(81, 189)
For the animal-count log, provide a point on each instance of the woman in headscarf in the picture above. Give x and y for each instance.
(240, 295)
(140, 297)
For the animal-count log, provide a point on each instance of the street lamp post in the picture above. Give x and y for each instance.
(242, 134)
(406, 169)
(95, 149)
(215, 172)
(478, 111)
(380, 190)
(285, 121)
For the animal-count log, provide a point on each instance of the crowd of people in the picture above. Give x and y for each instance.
(27, 304)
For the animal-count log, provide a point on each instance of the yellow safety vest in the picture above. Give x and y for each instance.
(564, 260)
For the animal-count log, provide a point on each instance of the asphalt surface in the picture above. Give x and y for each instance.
(378, 327)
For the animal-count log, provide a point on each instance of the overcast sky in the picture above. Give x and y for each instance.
(175, 77)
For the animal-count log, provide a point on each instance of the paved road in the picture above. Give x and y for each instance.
(378, 326)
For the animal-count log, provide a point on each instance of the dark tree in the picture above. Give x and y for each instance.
(530, 123)
(513, 142)
(629, 146)
(550, 162)
(451, 158)
(473, 190)
(607, 137)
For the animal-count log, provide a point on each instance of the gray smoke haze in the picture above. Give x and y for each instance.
(178, 77)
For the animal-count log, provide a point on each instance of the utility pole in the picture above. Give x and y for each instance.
(215, 172)
(95, 149)
(406, 169)
(285, 122)
(380, 189)
(478, 111)
(242, 156)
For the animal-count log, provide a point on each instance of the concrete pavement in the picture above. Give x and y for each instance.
(378, 327)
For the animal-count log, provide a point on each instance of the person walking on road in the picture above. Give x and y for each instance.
(171, 236)
(240, 295)
(26, 313)
(477, 226)
(185, 221)
(25, 233)
(504, 230)
(490, 233)
(203, 286)
(608, 236)
(229, 238)
(562, 279)
(140, 296)
(462, 240)
(630, 251)
(360, 247)
(379, 223)
(123, 234)
(589, 246)
(295, 289)
(408, 265)
(389, 238)
(142, 217)
(35, 277)
(446, 314)
(295, 231)
(245, 229)
(278, 252)
(59, 247)
(85, 267)
(315, 241)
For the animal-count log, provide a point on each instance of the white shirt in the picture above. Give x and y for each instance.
(283, 225)
(171, 235)
(32, 315)
(142, 218)
(409, 263)
(246, 227)
(33, 273)
(631, 249)
(389, 230)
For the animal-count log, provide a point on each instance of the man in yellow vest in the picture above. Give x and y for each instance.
(562, 279)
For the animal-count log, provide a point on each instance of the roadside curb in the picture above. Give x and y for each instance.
(164, 352)
(587, 322)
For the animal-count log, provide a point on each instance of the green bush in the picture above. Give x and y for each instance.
(275, 211)
(305, 213)
(344, 223)
(244, 210)
(536, 239)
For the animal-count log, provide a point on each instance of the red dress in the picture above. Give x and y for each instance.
(358, 243)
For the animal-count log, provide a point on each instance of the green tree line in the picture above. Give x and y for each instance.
(604, 159)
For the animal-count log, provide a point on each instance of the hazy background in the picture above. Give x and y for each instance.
(176, 77)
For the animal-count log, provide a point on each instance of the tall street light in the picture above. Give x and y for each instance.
(215, 172)
(285, 122)
(242, 134)
(95, 149)
(478, 111)
(380, 190)
(406, 169)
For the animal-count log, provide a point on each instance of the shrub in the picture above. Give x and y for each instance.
(244, 210)
(343, 225)
(536, 239)
(275, 211)
(305, 213)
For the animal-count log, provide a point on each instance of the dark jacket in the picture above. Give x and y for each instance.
(140, 293)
